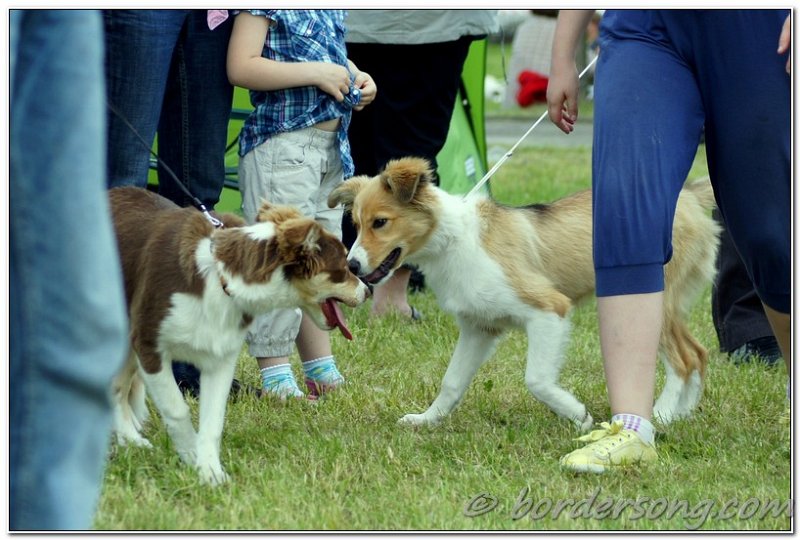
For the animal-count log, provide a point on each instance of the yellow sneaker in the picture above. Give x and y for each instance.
(609, 448)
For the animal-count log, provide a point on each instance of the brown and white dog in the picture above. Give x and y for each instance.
(495, 267)
(192, 292)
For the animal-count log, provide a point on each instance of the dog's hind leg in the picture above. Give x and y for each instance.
(137, 402)
(548, 335)
(666, 407)
(685, 362)
(215, 385)
(174, 411)
(126, 426)
(475, 346)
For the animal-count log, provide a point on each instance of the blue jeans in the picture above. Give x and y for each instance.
(67, 322)
(166, 72)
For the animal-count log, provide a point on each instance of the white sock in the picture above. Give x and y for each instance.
(643, 428)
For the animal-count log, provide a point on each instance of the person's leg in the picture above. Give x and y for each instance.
(419, 115)
(749, 151)
(630, 329)
(782, 327)
(139, 45)
(286, 170)
(640, 160)
(67, 322)
(742, 328)
(271, 336)
(192, 131)
(314, 344)
(635, 192)
(193, 128)
(392, 295)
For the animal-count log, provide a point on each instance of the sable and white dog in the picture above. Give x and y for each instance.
(192, 292)
(495, 267)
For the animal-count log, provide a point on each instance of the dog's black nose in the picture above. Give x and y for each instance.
(354, 266)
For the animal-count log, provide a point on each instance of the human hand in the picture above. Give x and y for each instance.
(785, 40)
(332, 79)
(562, 95)
(369, 90)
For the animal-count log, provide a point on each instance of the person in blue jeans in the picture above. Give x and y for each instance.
(165, 71)
(662, 76)
(67, 320)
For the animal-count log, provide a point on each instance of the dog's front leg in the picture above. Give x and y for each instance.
(174, 411)
(548, 336)
(215, 385)
(475, 346)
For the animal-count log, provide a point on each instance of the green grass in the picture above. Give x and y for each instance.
(344, 464)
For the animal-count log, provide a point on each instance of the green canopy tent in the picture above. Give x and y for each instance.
(462, 160)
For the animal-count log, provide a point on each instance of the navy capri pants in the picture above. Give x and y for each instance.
(662, 77)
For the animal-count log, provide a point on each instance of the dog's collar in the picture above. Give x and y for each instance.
(222, 281)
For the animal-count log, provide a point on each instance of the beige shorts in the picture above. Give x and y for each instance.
(299, 168)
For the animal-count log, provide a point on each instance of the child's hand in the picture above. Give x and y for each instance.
(369, 90)
(332, 79)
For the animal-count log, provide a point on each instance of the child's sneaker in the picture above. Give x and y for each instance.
(609, 448)
(322, 376)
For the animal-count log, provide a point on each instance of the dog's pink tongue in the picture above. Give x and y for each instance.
(335, 317)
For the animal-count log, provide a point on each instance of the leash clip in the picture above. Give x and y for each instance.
(214, 221)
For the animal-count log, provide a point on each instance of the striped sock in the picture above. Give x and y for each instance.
(640, 425)
(323, 370)
(279, 380)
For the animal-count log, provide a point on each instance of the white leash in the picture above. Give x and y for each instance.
(508, 154)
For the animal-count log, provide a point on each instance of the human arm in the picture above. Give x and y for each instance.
(562, 88)
(785, 40)
(363, 81)
(248, 69)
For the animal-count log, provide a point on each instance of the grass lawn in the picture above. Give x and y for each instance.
(344, 463)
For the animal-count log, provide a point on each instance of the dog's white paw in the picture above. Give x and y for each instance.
(133, 439)
(665, 415)
(418, 420)
(188, 456)
(212, 474)
(585, 423)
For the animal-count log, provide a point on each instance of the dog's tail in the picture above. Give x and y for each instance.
(702, 189)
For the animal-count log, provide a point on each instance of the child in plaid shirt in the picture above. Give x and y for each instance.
(294, 150)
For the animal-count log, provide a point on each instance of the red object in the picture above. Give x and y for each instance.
(532, 88)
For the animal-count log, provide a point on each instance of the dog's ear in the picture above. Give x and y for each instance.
(405, 176)
(276, 213)
(345, 193)
(298, 242)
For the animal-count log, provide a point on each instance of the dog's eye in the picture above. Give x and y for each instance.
(378, 223)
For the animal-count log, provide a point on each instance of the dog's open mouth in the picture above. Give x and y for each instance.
(335, 317)
(385, 267)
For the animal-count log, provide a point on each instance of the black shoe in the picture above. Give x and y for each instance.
(416, 282)
(188, 378)
(764, 350)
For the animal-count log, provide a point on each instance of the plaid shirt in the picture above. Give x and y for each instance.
(300, 35)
